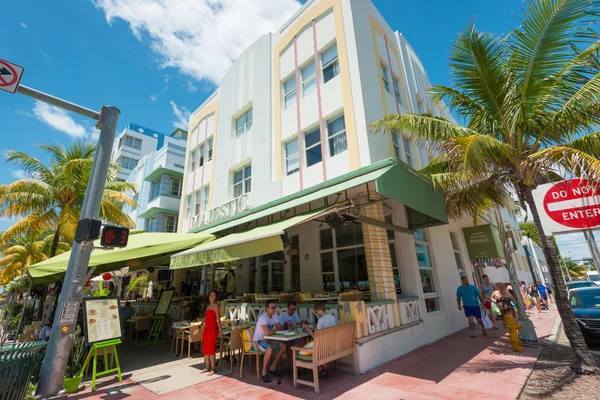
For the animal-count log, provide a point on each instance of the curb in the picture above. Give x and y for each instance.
(555, 328)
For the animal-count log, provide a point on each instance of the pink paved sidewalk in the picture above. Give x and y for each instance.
(454, 367)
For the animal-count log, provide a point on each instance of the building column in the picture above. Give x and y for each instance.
(378, 257)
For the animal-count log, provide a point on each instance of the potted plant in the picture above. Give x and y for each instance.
(136, 284)
(74, 370)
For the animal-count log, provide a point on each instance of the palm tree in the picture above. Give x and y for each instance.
(26, 250)
(577, 271)
(52, 196)
(530, 103)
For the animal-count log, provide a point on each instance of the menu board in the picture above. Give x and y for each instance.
(162, 308)
(102, 319)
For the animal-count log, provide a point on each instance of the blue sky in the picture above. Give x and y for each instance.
(157, 62)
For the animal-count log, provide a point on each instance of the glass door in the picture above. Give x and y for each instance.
(276, 275)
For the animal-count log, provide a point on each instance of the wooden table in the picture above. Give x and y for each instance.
(286, 338)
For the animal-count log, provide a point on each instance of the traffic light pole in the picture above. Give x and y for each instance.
(61, 339)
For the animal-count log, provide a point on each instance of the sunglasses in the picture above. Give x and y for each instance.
(292, 309)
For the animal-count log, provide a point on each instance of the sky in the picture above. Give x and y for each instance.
(158, 60)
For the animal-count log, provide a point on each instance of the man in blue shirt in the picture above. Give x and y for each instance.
(543, 292)
(471, 302)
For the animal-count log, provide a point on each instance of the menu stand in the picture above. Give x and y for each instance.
(156, 332)
(103, 346)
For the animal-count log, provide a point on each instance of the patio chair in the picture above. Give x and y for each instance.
(351, 296)
(249, 349)
(304, 296)
(285, 298)
(234, 344)
(193, 336)
(142, 325)
(248, 298)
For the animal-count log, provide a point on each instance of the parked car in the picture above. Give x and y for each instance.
(585, 303)
(579, 284)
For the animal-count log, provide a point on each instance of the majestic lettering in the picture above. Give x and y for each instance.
(225, 210)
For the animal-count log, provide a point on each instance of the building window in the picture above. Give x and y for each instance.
(346, 247)
(243, 123)
(164, 275)
(155, 189)
(127, 163)
(312, 144)
(426, 272)
(309, 79)
(397, 91)
(384, 77)
(150, 224)
(336, 132)
(396, 144)
(331, 65)
(201, 155)
(170, 223)
(188, 205)
(408, 152)
(242, 181)
(205, 199)
(132, 142)
(175, 189)
(457, 254)
(209, 149)
(197, 204)
(289, 96)
(292, 164)
(192, 160)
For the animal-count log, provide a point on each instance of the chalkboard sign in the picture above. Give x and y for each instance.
(162, 308)
(101, 319)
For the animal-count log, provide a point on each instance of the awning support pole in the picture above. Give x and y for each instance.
(23, 312)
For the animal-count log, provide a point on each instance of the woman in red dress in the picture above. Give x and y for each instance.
(212, 330)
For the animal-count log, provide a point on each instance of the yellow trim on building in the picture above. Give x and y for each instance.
(304, 20)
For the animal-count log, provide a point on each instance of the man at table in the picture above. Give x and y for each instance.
(325, 320)
(289, 316)
(268, 324)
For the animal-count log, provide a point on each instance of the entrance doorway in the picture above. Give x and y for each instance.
(271, 276)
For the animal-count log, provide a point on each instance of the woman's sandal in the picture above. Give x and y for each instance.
(205, 370)
(266, 379)
(211, 373)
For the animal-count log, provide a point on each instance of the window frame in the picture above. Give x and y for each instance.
(192, 164)
(311, 81)
(170, 218)
(396, 144)
(436, 295)
(130, 142)
(244, 182)
(197, 202)
(312, 146)
(201, 155)
(460, 265)
(384, 76)
(172, 181)
(188, 205)
(288, 157)
(155, 189)
(408, 152)
(334, 63)
(330, 137)
(129, 162)
(205, 196)
(151, 223)
(246, 126)
(287, 95)
(209, 149)
(397, 93)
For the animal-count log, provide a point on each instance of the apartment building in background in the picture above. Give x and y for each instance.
(154, 162)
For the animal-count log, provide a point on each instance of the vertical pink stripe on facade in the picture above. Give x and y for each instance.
(387, 50)
(300, 147)
(205, 161)
(192, 200)
(318, 78)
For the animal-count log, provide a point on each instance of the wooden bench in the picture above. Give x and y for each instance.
(329, 345)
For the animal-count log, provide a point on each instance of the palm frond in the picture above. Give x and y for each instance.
(575, 162)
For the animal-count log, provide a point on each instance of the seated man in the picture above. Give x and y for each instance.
(267, 324)
(325, 320)
(127, 311)
(290, 317)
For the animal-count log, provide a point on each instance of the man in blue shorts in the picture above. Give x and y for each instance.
(471, 298)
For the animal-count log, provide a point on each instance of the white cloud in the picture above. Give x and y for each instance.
(19, 174)
(199, 37)
(23, 25)
(58, 119)
(190, 87)
(46, 55)
(156, 95)
(182, 114)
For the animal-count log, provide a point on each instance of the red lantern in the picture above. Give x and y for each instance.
(106, 276)
(87, 284)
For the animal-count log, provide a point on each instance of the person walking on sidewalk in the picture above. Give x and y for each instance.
(488, 288)
(543, 293)
(472, 302)
(535, 296)
(504, 300)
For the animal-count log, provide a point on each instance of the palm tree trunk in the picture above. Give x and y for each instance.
(55, 241)
(583, 362)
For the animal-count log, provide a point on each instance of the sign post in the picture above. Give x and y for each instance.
(60, 343)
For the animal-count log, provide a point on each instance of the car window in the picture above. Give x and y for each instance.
(588, 299)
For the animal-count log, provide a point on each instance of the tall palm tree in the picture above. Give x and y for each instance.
(577, 271)
(531, 107)
(51, 197)
(26, 250)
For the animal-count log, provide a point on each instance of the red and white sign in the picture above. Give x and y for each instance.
(10, 76)
(568, 205)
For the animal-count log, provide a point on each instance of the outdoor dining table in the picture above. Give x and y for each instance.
(179, 331)
(286, 339)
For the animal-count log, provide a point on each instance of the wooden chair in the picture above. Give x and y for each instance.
(234, 344)
(253, 352)
(248, 298)
(142, 325)
(193, 336)
(285, 298)
(329, 345)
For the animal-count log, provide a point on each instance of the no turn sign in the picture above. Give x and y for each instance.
(568, 205)
(10, 76)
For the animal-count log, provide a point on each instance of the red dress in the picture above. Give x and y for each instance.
(210, 333)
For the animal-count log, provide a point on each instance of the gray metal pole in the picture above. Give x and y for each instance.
(533, 274)
(67, 105)
(591, 242)
(59, 346)
(24, 306)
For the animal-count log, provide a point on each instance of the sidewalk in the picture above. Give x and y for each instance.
(454, 367)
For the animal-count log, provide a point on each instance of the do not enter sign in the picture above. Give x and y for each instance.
(568, 205)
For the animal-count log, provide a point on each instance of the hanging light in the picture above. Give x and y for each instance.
(106, 276)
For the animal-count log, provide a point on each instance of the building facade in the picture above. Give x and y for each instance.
(283, 146)
(157, 171)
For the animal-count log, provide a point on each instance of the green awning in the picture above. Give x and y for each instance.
(143, 250)
(160, 171)
(393, 178)
(483, 241)
(255, 242)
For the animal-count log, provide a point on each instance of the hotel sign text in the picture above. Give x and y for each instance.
(228, 209)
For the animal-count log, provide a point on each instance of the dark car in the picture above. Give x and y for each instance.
(586, 307)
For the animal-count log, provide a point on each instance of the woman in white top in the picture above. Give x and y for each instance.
(487, 288)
